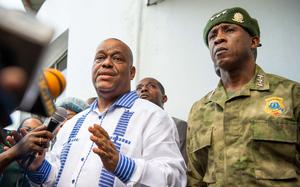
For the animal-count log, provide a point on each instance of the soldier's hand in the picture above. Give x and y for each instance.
(105, 147)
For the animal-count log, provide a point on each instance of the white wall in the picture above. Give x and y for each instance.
(12, 4)
(56, 13)
(172, 47)
(91, 22)
(167, 43)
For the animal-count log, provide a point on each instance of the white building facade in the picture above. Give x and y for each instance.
(166, 40)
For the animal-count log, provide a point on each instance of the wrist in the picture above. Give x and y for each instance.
(6, 158)
(12, 153)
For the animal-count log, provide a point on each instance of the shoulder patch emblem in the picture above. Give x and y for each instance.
(274, 106)
(238, 17)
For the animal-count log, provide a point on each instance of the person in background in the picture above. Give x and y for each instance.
(13, 175)
(121, 140)
(153, 91)
(31, 123)
(246, 131)
(73, 106)
(90, 100)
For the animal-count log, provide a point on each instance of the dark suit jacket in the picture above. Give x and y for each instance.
(181, 127)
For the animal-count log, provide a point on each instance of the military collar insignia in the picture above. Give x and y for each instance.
(238, 17)
(274, 106)
(260, 80)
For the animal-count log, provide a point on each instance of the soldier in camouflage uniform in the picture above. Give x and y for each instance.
(246, 131)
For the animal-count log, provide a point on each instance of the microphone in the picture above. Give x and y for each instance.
(56, 119)
(51, 84)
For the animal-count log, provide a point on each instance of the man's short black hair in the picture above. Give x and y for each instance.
(161, 87)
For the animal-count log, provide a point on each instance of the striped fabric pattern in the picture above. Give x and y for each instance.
(67, 147)
(127, 100)
(125, 165)
(41, 174)
(39, 177)
(124, 168)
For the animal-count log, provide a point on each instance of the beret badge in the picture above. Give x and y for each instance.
(238, 17)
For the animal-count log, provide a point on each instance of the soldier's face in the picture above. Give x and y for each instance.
(229, 44)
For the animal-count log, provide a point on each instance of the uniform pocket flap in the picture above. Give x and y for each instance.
(200, 140)
(288, 173)
(274, 131)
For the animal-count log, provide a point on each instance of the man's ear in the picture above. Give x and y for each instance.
(132, 72)
(164, 98)
(255, 42)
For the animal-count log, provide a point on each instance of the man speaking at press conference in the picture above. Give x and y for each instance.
(120, 140)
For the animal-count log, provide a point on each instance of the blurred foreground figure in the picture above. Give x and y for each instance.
(22, 41)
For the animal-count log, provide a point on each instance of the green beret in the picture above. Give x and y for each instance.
(236, 16)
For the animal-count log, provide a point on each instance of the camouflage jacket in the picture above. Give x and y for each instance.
(249, 139)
